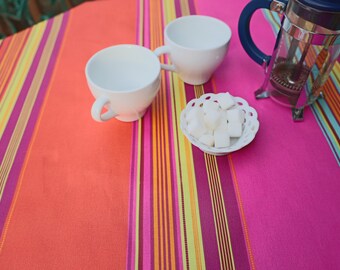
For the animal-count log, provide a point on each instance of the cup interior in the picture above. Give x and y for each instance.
(198, 32)
(123, 68)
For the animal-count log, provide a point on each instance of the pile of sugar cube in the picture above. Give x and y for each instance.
(214, 122)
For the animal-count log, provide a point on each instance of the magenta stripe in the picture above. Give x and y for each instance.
(146, 224)
(163, 208)
(178, 8)
(141, 241)
(234, 220)
(132, 201)
(20, 156)
(192, 7)
(211, 254)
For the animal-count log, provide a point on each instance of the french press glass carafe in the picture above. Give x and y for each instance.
(306, 48)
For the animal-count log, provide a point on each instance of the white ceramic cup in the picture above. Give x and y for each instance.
(124, 79)
(196, 46)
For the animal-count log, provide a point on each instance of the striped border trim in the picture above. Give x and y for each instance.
(173, 209)
(22, 100)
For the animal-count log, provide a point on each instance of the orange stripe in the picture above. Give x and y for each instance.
(7, 64)
(3, 67)
(3, 45)
(332, 98)
(165, 142)
(159, 162)
(13, 59)
(156, 222)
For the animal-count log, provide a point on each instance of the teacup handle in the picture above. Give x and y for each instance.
(97, 108)
(164, 50)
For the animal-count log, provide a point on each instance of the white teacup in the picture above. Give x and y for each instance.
(196, 46)
(124, 79)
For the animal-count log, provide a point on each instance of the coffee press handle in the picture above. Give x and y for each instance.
(244, 29)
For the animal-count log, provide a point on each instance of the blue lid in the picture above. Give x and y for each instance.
(323, 5)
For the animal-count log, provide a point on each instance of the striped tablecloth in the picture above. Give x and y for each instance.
(77, 194)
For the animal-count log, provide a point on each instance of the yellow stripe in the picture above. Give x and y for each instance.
(187, 180)
(19, 75)
(139, 157)
(178, 103)
(169, 11)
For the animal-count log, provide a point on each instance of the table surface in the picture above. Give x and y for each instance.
(77, 194)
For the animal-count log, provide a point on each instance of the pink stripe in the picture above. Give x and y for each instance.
(192, 7)
(147, 168)
(178, 8)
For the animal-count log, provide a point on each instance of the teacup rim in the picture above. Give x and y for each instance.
(228, 28)
(125, 91)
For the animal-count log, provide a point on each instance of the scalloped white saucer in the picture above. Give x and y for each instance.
(249, 128)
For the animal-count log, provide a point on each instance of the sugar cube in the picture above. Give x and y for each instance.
(209, 105)
(221, 139)
(212, 119)
(207, 139)
(223, 126)
(194, 112)
(226, 101)
(196, 128)
(235, 115)
(235, 129)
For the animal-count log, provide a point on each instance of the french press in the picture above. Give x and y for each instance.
(306, 48)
